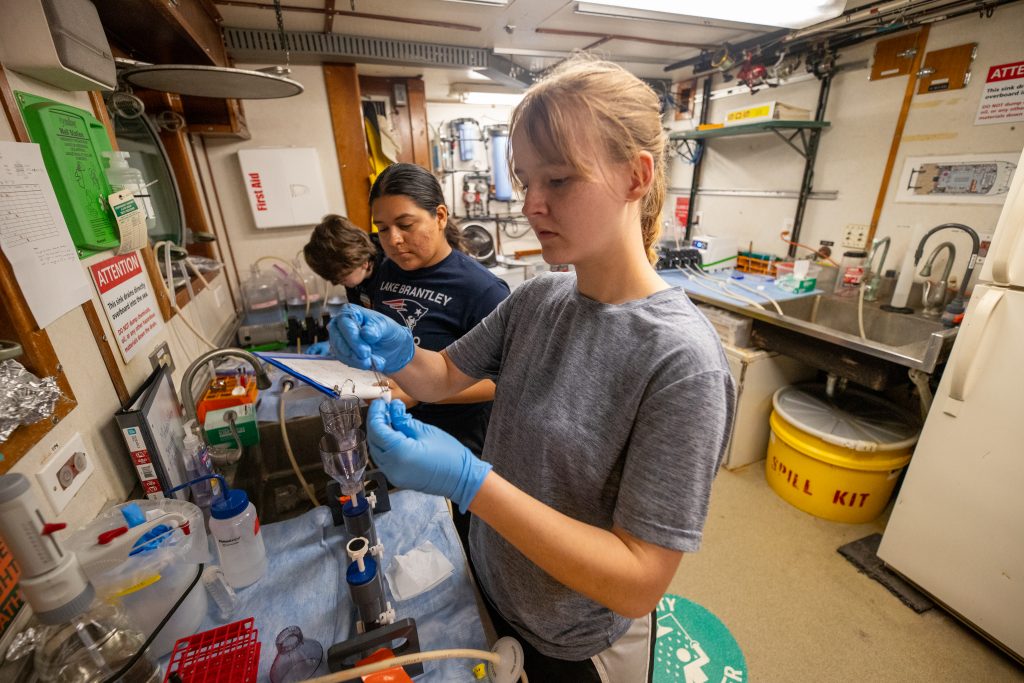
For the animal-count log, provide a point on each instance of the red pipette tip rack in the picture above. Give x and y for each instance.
(226, 654)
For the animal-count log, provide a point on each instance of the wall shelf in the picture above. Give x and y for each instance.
(684, 142)
(801, 136)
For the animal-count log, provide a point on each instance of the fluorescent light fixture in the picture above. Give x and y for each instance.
(723, 13)
(510, 99)
(477, 76)
(484, 93)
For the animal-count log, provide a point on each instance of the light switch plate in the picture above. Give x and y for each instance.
(65, 472)
(855, 236)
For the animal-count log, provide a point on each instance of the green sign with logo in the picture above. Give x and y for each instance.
(693, 646)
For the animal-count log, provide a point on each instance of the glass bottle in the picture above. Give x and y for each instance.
(91, 647)
(297, 658)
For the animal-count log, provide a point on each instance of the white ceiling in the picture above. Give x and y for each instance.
(515, 31)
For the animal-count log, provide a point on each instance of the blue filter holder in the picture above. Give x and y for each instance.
(466, 133)
(499, 163)
(357, 577)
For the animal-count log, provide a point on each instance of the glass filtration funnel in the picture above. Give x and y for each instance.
(341, 415)
(344, 458)
(297, 658)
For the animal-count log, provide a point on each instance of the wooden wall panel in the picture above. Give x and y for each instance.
(345, 101)
(18, 324)
(418, 122)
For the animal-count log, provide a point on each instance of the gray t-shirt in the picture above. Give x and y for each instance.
(610, 414)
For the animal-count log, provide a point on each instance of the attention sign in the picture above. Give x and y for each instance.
(130, 307)
(1002, 100)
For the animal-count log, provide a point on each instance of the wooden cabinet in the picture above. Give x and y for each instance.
(177, 32)
(215, 117)
(165, 31)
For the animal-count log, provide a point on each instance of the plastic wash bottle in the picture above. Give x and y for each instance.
(236, 529)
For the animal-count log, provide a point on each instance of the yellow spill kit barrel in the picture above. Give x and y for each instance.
(837, 458)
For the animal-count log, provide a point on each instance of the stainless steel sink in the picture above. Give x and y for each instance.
(907, 340)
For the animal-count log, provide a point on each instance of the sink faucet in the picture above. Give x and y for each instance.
(875, 279)
(934, 295)
(957, 305)
(187, 397)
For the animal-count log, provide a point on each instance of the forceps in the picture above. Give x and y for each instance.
(380, 380)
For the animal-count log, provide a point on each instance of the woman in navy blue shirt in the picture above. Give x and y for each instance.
(435, 290)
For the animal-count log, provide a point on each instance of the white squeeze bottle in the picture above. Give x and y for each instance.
(236, 529)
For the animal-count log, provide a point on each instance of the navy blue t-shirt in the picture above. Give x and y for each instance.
(439, 304)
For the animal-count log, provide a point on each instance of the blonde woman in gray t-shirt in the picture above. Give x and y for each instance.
(613, 399)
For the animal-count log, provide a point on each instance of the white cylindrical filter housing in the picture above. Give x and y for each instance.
(52, 580)
(236, 529)
(466, 131)
(499, 163)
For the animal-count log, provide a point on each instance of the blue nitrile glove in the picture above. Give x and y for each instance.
(319, 349)
(422, 457)
(357, 332)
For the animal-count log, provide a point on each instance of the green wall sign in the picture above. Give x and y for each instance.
(693, 646)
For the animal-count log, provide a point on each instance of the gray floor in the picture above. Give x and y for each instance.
(801, 612)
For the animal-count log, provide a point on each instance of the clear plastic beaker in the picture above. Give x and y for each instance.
(851, 273)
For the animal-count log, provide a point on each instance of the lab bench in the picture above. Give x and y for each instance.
(304, 585)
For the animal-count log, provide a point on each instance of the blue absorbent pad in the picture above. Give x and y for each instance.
(762, 283)
(305, 585)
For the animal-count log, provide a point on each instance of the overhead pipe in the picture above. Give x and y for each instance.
(922, 15)
(854, 18)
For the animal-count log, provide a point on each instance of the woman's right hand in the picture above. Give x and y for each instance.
(357, 333)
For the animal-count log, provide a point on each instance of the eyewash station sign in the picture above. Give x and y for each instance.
(128, 302)
(693, 646)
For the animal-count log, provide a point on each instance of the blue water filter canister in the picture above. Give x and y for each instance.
(466, 133)
(499, 163)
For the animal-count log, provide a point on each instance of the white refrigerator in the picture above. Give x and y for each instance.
(957, 528)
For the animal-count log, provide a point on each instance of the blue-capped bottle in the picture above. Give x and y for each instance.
(236, 529)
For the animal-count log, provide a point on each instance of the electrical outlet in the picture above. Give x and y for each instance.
(855, 236)
(65, 472)
(161, 355)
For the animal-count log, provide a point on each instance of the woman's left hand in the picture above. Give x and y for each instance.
(422, 457)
